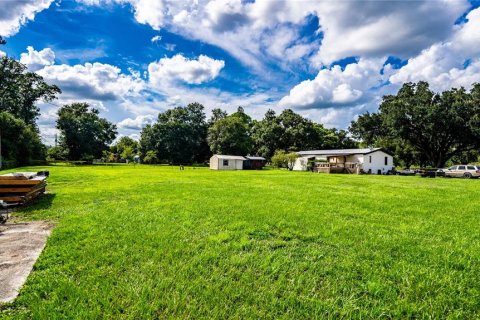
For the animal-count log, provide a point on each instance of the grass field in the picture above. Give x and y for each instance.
(156, 242)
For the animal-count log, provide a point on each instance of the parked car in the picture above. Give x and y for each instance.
(406, 172)
(463, 171)
(441, 172)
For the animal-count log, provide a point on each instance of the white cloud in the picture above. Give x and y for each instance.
(223, 15)
(151, 12)
(2, 54)
(444, 65)
(36, 60)
(180, 68)
(95, 81)
(336, 87)
(137, 123)
(451, 63)
(262, 31)
(381, 28)
(14, 14)
(156, 38)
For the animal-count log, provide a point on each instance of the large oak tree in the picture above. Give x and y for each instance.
(84, 134)
(429, 128)
(20, 90)
(178, 136)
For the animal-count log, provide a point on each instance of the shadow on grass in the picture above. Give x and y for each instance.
(41, 203)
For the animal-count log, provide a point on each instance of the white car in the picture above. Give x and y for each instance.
(463, 171)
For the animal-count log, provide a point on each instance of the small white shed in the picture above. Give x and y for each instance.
(225, 162)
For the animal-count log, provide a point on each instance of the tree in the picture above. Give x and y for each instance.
(108, 156)
(230, 135)
(150, 157)
(56, 153)
(178, 136)
(84, 134)
(267, 135)
(282, 159)
(292, 132)
(217, 114)
(127, 153)
(431, 127)
(20, 90)
(20, 142)
(123, 143)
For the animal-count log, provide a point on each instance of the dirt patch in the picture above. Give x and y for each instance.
(20, 246)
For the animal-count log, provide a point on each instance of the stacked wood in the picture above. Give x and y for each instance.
(21, 187)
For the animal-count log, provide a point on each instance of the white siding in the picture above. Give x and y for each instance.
(217, 163)
(214, 163)
(375, 161)
(239, 164)
(300, 164)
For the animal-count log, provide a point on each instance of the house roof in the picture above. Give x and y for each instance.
(227, 157)
(255, 158)
(339, 152)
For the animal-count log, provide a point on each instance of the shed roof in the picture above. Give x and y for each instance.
(255, 158)
(339, 152)
(227, 157)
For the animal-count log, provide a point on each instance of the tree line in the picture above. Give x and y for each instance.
(185, 135)
(419, 126)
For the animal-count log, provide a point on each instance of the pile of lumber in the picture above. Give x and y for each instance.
(21, 187)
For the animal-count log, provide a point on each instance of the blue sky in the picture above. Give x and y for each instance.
(328, 60)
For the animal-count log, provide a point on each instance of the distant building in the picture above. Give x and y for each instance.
(225, 162)
(254, 163)
(368, 160)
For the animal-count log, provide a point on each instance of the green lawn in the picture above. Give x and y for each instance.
(155, 242)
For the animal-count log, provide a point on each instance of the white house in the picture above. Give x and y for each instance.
(224, 162)
(368, 160)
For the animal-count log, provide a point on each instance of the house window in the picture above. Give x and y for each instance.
(386, 161)
(370, 159)
(225, 163)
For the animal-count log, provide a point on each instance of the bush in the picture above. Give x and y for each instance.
(281, 159)
(150, 157)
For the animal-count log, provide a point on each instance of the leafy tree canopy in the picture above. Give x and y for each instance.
(84, 134)
(20, 142)
(20, 90)
(424, 127)
(123, 143)
(178, 136)
(230, 135)
(292, 132)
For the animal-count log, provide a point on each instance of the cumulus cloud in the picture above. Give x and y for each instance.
(2, 54)
(341, 94)
(180, 68)
(381, 28)
(151, 12)
(223, 15)
(95, 81)
(336, 87)
(453, 63)
(137, 123)
(14, 14)
(249, 30)
(36, 60)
